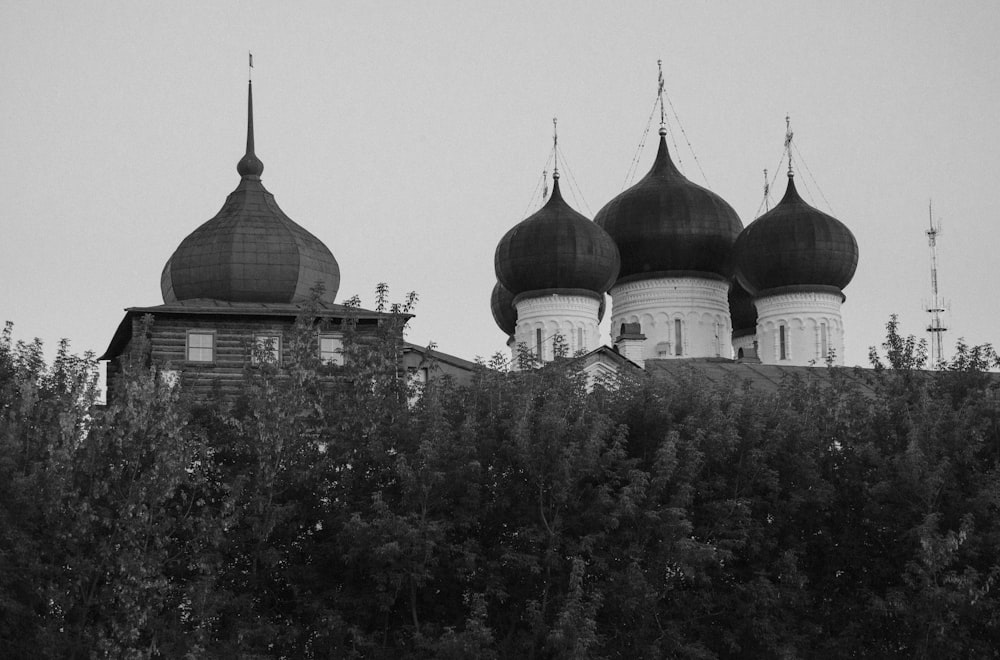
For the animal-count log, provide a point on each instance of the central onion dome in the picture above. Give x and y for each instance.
(665, 223)
(556, 248)
(250, 252)
(795, 244)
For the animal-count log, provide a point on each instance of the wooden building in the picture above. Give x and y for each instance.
(234, 289)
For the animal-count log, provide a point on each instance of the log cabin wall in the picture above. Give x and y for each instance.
(233, 341)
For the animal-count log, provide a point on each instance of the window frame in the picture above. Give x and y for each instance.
(338, 353)
(188, 347)
(276, 350)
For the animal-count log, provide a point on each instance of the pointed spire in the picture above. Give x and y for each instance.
(791, 194)
(663, 164)
(250, 166)
(788, 145)
(555, 152)
(659, 93)
(767, 192)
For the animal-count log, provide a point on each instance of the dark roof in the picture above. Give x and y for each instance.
(604, 353)
(795, 244)
(762, 377)
(665, 223)
(446, 358)
(209, 307)
(556, 248)
(250, 251)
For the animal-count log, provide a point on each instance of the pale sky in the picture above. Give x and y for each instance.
(410, 137)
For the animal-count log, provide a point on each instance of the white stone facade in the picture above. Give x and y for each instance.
(541, 318)
(681, 317)
(801, 328)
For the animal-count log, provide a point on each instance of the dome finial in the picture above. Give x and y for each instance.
(555, 149)
(659, 93)
(788, 144)
(250, 165)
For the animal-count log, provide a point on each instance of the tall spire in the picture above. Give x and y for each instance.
(250, 166)
(555, 151)
(659, 93)
(788, 144)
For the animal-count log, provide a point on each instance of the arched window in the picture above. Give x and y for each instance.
(824, 342)
(538, 343)
(678, 345)
(782, 343)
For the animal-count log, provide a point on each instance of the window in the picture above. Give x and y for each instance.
(267, 348)
(538, 343)
(782, 343)
(200, 346)
(824, 343)
(579, 340)
(678, 346)
(331, 349)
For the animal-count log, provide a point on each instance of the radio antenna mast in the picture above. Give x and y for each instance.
(936, 306)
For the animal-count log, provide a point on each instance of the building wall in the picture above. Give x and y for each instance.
(813, 328)
(698, 306)
(574, 317)
(234, 338)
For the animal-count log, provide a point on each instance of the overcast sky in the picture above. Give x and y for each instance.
(410, 136)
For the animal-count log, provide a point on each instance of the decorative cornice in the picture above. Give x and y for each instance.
(672, 274)
(799, 289)
(562, 293)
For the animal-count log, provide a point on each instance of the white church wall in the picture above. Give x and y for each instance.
(795, 328)
(693, 310)
(572, 316)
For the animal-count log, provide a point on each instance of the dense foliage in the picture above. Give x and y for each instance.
(330, 513)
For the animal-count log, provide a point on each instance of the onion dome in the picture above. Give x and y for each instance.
(794, 244)
(665, 223)
(556, 248)
(250, 251)
(502, 304)
(742, 311)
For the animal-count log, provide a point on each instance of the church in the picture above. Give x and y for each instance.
(686, 279)
(689, 284)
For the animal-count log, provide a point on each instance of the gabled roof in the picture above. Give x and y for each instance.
(430, 353)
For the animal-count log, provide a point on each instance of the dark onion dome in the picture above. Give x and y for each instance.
(502, 304)
(742, 311)
(665, 223)
(556, 248)
(794, 244)
(250, 251)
